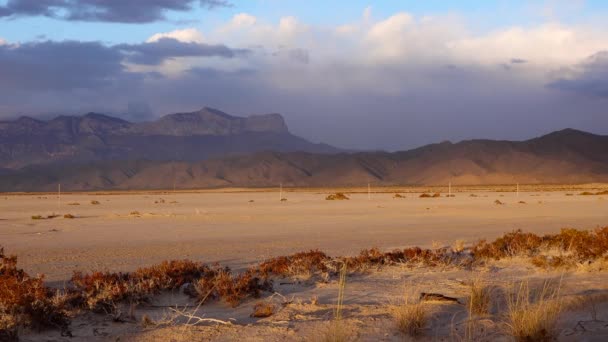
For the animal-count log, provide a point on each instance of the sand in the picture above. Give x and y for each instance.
(241, 228)
(128, 230)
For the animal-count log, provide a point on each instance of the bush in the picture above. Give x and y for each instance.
(509, 245)
(338, 196)
(26, 301)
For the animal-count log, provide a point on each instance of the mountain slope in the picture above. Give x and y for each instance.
(184, 136)
(566, 156)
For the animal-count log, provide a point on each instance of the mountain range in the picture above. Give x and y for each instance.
(566, 156)
(193, 136)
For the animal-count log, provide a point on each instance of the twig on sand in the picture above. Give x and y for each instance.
(194, 320)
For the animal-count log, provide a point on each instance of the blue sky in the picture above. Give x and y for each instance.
(480, 16)
(405, 74)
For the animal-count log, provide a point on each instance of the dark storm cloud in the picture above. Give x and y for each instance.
(588, 78)
(155, 53)
(59, 65)
(73, 64)
(123, 11)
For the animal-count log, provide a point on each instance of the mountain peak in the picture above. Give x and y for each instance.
(103, 117)
(565, 134)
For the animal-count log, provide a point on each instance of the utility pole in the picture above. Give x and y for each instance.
(450, 189)
(517, 189)
(369, 192)
(281, 191)
(59, 195)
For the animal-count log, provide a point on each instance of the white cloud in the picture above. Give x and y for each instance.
(2, 41)
(189, 35)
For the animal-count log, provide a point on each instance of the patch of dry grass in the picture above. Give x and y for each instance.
(533, 312)
(411, 318)
(336, 331)
(480, 298)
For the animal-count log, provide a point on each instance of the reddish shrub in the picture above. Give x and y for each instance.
(26, 301)
(510, 244)
(296, 264)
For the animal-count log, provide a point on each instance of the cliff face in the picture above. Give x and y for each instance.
(183, 136)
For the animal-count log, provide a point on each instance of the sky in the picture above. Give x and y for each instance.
(389, 75)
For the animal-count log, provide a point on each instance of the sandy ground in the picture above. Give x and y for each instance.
(304, 309)
(240, 228)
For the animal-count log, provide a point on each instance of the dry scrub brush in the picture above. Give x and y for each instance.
(338, 196)
(26, 301)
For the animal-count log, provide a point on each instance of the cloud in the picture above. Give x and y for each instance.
(121, 11)
(371, 83)
(156, 52)
(59, 65)
(588, 78)
(189, 35)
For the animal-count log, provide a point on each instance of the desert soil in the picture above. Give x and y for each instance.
(128, 230)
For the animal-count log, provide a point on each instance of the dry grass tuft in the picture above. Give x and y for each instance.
(37, 217)
(480, 298)
(532, 313)
(95, 202)
(337, 331)
(499, 202)
(69, 216)
(411, 318)
(458, 246)
(398, 196)
(338, 196)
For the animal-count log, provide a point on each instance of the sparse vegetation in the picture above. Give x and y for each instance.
(588, 193)
(102, 291)
(398, 196)
(338, 196)
(69, 216)
(95, 202)
(499, 202)
(26, 302)
(426, 195)
(480, 296)
(411, 318)
(41, 217)
(532, 313)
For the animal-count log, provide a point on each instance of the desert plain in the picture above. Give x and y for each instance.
(239, 228)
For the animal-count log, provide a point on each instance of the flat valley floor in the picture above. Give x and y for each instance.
(239, 228)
